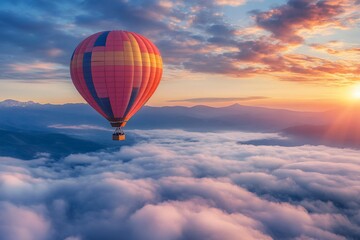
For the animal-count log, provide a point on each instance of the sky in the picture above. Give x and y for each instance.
(174, 185)
(295, 54)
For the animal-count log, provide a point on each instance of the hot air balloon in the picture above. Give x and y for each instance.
(116, 72)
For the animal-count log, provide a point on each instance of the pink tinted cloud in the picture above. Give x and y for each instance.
(176, 220)
(22, 223)
(174, 184)
(233, 3)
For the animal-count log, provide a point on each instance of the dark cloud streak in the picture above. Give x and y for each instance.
(285, 21)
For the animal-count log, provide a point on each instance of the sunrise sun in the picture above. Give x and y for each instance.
(356, 92)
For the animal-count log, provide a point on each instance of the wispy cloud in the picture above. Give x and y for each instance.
(214, 99)
(230, 2)
(337, 48)
(79, 127)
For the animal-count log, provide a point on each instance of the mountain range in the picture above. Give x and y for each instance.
(24, 115)
(80, 122)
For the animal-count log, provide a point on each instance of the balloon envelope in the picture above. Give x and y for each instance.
(116, 72)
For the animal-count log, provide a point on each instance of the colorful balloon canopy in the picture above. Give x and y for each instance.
(116, 72)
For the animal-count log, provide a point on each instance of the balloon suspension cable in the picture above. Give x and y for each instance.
(119, 131)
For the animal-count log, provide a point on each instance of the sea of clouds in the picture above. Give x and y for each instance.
(174, 184)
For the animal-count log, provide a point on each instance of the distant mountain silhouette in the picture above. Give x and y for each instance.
(305, 127)
(28, 145)
(14, 103)
(330, 135)
(32, 116)
(234, 117)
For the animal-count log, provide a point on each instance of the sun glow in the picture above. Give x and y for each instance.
(356, 92)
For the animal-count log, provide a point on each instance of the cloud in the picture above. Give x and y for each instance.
(207, 100)
(193, 36)
(79, 127)
(174, 184)
(33, 45)
(336, 48)
(143, 16)
(170, 219)
(286, 21)
(230, 2)
(36, 71)
(22, 223)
